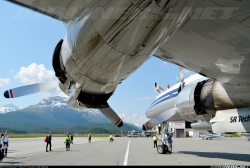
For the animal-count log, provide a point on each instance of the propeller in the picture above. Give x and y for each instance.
(181, 79)
(112, 116)
(29, 89)
(38, 87)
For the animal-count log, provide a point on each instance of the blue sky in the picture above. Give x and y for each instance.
(27, 43)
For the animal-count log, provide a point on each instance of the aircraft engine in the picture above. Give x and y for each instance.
(200, 100)
(188, 102)
(57, 63)
(201, 125)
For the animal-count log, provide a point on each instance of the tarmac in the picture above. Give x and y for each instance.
(125, 151)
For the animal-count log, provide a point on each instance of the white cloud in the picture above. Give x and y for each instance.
(35, 74)
(4, 82)
(134, 119)
(39, 74)
(54, 92)
(12, 71)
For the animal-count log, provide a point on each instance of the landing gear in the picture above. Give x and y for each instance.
(162, 149)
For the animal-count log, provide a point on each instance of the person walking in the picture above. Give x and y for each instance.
(155, 140)
(67, 141)
(170, 141)
(111, 138)
(71, 137)
(5, 143)
(1, 146)
(49, 142)
(89, 136)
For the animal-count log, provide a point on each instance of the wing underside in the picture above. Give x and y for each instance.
(213, 41)
(64, 10)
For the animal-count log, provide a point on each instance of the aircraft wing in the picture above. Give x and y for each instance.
(212, 41)
(63, 10)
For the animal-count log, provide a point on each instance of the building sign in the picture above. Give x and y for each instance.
(176, 124)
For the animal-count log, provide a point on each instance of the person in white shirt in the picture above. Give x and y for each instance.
(5, 143)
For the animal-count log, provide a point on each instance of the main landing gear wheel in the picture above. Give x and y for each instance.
(162, 149)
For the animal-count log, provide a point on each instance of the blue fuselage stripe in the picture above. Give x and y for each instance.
(165, 97)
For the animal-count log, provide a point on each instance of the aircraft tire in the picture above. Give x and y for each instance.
(161, 149)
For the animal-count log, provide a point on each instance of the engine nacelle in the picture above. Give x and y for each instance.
(232, 120)
(57, 63)
(188, 102)
(201, 125)
(201, 100)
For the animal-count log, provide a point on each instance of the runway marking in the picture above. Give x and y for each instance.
(126, 155)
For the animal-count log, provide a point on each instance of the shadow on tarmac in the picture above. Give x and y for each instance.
(221, 155)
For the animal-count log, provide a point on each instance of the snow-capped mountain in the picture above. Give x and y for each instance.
(55, 114)
(8, 108)
(61, 102)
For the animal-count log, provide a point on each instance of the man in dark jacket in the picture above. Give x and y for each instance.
(49, 142)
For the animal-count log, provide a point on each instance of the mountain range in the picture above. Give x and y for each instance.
(53, 114)
(8, 108)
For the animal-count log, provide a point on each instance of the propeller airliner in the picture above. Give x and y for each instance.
(107, 40)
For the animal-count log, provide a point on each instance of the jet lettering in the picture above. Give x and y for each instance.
(244, 119)
(233, 119)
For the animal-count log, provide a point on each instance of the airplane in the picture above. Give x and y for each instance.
(107, 40)
(168, 105)
(210, 136)
(193, 100)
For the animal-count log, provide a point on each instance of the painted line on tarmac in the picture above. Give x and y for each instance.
(125, 163)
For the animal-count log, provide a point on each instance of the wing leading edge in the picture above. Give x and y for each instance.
(64, 10)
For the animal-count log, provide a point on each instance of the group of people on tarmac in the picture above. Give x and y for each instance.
(69, 140)
(4, 143)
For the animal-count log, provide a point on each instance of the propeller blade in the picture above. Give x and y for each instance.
(29, 89)
(182, 74)
(181, 78)
(112, 116)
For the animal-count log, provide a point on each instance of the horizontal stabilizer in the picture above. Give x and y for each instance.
(112, 116)
(29, 89)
